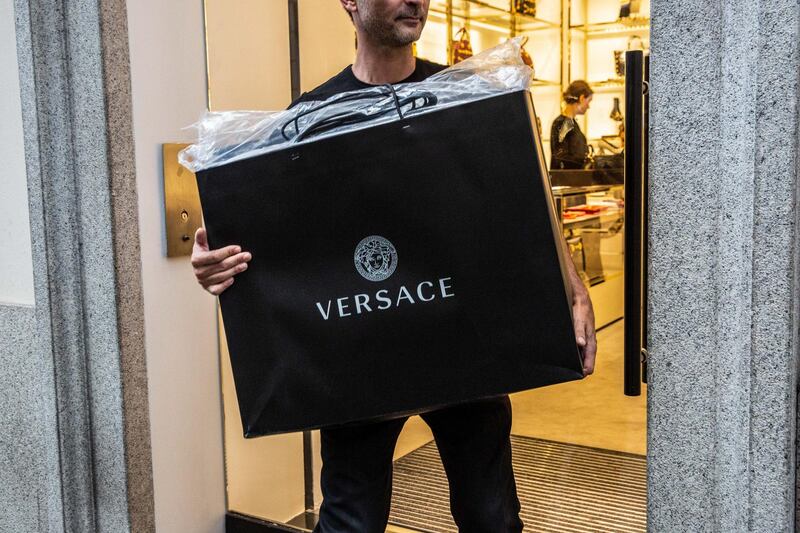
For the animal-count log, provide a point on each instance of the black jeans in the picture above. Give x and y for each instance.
(473, 441)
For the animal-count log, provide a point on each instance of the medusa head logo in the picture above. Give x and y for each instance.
(375, 258)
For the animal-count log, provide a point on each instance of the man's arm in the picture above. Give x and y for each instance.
(582, 313)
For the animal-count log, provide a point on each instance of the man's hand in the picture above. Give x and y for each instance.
(582, 314)
(583, 322)
(215, 269)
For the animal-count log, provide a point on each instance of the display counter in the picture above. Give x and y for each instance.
(588, 177)
(593, 221)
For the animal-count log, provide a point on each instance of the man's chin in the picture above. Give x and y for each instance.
(405, 38)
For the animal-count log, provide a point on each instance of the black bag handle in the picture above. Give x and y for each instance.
(417, 100)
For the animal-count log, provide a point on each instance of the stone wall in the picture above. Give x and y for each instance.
(723, 258)
(89, 414)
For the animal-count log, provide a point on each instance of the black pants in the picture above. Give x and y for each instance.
(473, 442)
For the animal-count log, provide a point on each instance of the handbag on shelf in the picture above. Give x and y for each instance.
(619, 63)
(629, 8)
(461, 48)
(526, 57)
(616, 112)
(634, 43)
(525, 7)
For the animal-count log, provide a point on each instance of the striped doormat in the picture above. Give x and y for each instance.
(563, 488)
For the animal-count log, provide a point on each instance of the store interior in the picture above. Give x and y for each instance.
(579, 447)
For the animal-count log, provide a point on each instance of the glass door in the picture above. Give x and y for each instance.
(579, 448)
(272, 483)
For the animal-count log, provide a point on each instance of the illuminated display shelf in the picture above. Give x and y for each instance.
(544, 83)
(597, 41)
(608, 86)
(578, 45)
(616, 28)
(492, 14)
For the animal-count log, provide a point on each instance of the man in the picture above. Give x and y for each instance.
(473, 439)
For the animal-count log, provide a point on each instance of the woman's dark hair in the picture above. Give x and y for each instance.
(577, 89)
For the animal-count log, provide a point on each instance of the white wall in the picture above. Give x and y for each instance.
(327, 41)
(169, 92)
(248, 54)
(16, 264)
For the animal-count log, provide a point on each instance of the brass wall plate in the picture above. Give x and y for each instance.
(182, 212)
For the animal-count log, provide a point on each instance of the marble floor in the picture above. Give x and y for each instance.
(592, 412)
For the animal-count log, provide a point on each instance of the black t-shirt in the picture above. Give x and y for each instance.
(346, 81)
(568, 147)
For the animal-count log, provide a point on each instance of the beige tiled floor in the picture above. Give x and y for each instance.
(593, 412)
(397, 529)
(415, 433)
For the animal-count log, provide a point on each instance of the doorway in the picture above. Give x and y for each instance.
(579, 448)
(578, 452)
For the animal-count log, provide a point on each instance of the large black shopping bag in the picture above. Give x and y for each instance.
(396, 269)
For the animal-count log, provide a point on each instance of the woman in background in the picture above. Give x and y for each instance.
(568, 146)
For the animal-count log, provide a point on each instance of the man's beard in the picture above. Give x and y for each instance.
(388, 31)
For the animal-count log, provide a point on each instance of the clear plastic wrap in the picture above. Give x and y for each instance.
(224, 137)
